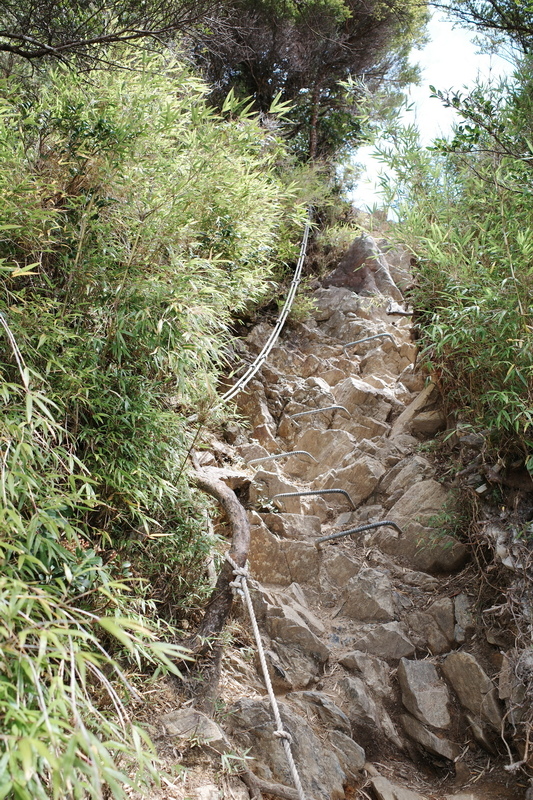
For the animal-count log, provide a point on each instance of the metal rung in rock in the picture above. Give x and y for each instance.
(360, 529)
(316, 410)
(317, 492)
(368, 338)
(282, 455)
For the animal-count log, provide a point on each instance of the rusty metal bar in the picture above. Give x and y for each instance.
(368, 338)
(361, 528)
(319, 492)
(316, 410)
(282, 455)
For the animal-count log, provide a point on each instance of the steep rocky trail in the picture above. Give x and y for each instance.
(386, 680)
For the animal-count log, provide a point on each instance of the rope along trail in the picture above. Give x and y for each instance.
(240, 585)
(265, 352)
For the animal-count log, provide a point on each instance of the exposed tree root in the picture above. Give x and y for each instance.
(257, 787)
(204, 645)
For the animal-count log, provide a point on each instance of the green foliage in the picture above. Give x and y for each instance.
(306, 53)
(135, 223)
(465, 211)
(498, 21)
(59, 29)
(57, 741)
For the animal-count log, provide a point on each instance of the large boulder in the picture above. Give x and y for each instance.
(364, 270)
(474, 688)
(358, 395)
(366, 714)
(424, 694)
(430, 741)
(388, 641)
(323, 708)
(375, 672)
(423, 544)
(359, 479)
(251, 724)
(368, 597)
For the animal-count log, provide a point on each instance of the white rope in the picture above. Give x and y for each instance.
(254, 368)
(240, 585)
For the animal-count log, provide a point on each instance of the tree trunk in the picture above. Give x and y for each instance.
(313, 123)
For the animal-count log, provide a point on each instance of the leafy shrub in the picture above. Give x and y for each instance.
(135, 224)
(465, 211)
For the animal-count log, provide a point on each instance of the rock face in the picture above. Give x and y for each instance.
(474, 688)
(364, 270)
(424, 694)
(361, 632)
(251, 725)
(369, 597)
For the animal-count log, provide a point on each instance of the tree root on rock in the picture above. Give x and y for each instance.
(205, 645)
(257, 787)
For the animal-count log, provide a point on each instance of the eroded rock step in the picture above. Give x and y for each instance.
(370, 641)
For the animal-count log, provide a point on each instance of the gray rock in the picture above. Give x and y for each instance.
(196, 728)
(294, 598)
(474, 688)
(355, 394)
(303, 560)
(280, 680)
(266, 557)
(426, 634)
(364, 269)
(374, 671)
(267, 484)
(428, 423)
(338, 568)
(364, 711)
(329, 447)
(351, 755)
(426, 396)
(295, 669)
(385, 790)
(253, 404)
(369, 597)
(286, 625)
(420, 579)
(423, 545)
(207, 792)
(482, 735)
(293, 526)
(387, 641)
(359, 479)
(424, 694)
(442, 611)
(334, 299)
(464, 617)
(325, 709)
(406, 472)
(251, 724)
(429, 740)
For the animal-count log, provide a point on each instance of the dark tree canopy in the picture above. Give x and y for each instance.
(34, 29)
(302, 50)
(500, 19)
